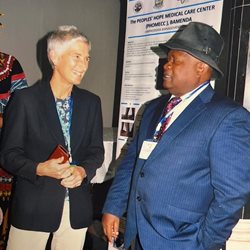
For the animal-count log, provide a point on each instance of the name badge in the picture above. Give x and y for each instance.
(146, 149)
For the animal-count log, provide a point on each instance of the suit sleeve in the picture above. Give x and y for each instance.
(230, 174)
(118, 195)
(12, 155)
(95, 151)
(117, 198)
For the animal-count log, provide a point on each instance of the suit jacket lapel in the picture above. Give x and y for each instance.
(49, 113)
(79, 114)
(194, 109)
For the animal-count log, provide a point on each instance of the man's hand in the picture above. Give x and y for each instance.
(110, 225)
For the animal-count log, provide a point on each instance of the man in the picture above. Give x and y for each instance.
(51, 195)
(188, 166)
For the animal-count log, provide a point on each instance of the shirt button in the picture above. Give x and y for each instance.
(138, 198)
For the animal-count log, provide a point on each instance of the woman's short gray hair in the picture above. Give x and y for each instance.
(61, 37)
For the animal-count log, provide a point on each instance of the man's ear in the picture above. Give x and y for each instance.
(203, 68)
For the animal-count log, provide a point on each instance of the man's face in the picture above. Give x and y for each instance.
(180, 73)
(71, 64)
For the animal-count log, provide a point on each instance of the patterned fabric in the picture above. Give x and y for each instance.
(12, 77)
(64, 112)
(170, 105)
(64, 108)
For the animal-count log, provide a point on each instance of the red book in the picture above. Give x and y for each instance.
(59, 152)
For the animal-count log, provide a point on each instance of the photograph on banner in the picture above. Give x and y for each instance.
(128, 113)
(150, 22)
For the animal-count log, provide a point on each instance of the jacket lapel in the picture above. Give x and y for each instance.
(193, 110)
(49, 113)
(79, 115)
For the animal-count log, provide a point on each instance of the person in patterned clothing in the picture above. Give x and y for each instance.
(12, 77)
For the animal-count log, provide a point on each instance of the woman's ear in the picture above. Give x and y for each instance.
(53, 57)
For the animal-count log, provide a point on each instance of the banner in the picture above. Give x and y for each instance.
(150, 22)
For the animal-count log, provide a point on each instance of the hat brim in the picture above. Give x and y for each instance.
(217, 73)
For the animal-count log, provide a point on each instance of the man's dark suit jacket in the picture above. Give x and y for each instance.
(31, 132)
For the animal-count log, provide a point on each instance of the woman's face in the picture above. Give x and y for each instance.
(71, 64)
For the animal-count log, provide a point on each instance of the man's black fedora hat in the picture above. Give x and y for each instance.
(199, 40)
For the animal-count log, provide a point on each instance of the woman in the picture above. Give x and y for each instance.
(53, 196)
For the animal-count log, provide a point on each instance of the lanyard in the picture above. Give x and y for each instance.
(169, 114)
(197, 89)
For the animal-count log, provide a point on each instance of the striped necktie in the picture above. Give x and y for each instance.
(170, 105)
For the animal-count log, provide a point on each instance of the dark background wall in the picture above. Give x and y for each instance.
(235, 31)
